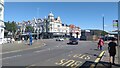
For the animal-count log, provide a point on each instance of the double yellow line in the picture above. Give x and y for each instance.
(97, 59)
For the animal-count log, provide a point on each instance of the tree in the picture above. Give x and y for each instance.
(29, 29)
(11, 26)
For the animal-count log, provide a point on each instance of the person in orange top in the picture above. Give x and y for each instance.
(100, 43)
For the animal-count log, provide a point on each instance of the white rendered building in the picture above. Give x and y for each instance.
(1, 21)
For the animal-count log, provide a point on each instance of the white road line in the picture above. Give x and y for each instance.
(20, 50)
(39, 51)
(42, 50)
(57, 46)
(11, 57)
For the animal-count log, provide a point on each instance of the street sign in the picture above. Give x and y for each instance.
(115, 23)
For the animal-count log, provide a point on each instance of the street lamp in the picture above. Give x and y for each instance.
(118, 41)
(37, 12)
(37, 33)
(103, 23)
(119, 32)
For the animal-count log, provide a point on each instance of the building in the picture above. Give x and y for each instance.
(50, 27)
(56, 28)
(74, 31)
(1, 21)
(55, 25)
(37, 25)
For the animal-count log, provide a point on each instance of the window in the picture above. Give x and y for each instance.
(62, 24)
(58, 25)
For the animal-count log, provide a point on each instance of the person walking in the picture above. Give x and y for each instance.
(100, 43)
(30, 38)
(112, 50)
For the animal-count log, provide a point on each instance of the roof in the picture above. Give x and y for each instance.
(50, 14)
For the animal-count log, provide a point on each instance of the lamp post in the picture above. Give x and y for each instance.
(103, 23)
(47, 27)
(37, 33)
(119, 32)
(118, 41)
(38, 12)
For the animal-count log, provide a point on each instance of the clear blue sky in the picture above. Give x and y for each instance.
(86, 15)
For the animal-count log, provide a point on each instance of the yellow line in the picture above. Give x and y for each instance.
(92, 66)
(98, 59)
(101, 54)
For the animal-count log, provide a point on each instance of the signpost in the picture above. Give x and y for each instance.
(119, 32)
(116, 24)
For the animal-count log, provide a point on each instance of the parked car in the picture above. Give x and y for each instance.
(59, 39)
(73, 41)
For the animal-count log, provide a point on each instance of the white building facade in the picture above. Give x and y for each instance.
(55, 25)
(50, 27)
(1, 21)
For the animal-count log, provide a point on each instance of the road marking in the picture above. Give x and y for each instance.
(20, 50)
(48, 49)
(87, 57)
(71, 63)
(81, 56)
(57, 46)
(76, 64)
(69, 55)
(41, 51)
(101, 54)
(97, 59)
(11, 57)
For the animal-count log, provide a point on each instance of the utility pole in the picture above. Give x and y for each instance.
(103, 26)
(119, 33)
(118, 41)
(37, 12)
(37, 23)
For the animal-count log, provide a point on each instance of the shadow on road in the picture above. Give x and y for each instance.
(88, 64)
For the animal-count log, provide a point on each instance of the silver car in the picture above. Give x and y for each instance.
(59, 39)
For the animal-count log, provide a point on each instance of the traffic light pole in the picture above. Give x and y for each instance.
(119, 42)
(119, 33)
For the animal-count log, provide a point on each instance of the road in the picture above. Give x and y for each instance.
(55, 53)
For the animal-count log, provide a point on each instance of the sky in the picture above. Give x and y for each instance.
(86, 15)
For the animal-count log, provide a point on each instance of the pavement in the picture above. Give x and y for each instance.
(104, 60)
(16, 47)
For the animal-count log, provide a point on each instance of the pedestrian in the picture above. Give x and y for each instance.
(100, 43)
(30, 38)
(112, 50)
(13, 40)
(23, 39)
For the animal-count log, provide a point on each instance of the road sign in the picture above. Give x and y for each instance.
(115, 23)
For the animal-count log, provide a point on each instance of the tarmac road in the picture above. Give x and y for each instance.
(55, 53)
